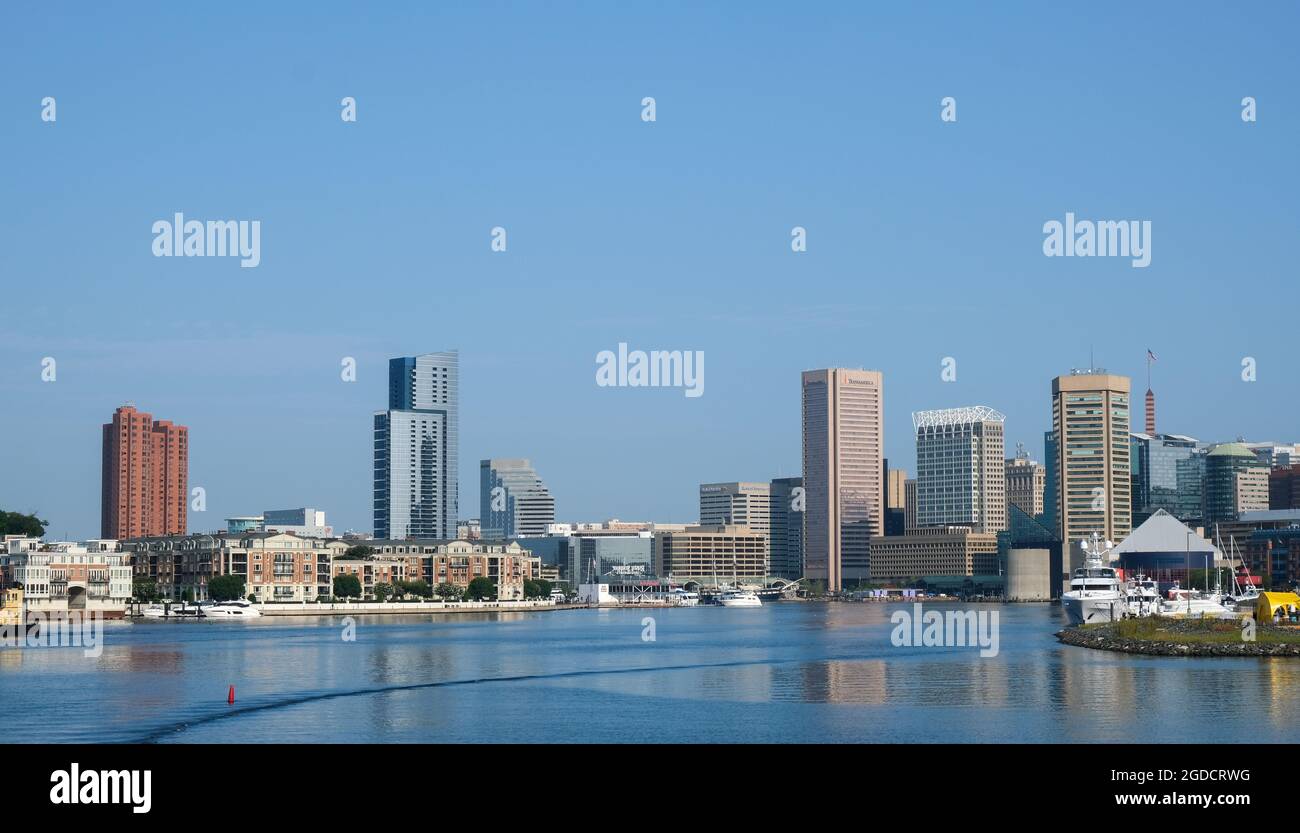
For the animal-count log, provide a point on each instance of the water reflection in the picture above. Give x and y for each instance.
(801, 672)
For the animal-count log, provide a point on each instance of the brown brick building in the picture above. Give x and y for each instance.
(146, 476)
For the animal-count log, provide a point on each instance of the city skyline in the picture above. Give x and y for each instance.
(216, 519)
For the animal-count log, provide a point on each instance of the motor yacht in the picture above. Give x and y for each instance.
(739, 598)
(235, 608)
(680, 597)
(1096, 593)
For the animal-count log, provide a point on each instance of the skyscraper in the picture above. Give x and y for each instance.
(145, 476)
(895, 500)
(1051, 483)
(741, 504)
(1026, 482)
(843, 477)
(1166, 474)
(961, 468)
(786, 540)
(416, 449)
(1236, 481)
(1090, 428)
(513, 500)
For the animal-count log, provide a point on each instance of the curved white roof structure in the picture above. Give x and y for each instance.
(955, 416)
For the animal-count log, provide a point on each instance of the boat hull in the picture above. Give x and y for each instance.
(1091, 610)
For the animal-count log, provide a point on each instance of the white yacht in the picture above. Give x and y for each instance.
(1195, 605)
(171, 610)
(739, 598)
(234, 609)
(681, 597)
(1096, 593)
(1142, 596)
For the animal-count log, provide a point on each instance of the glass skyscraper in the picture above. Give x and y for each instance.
(786, 541)
(1168, 470)
(513, 500)
(415, 449)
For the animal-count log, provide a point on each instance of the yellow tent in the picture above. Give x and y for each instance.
(1269, 603)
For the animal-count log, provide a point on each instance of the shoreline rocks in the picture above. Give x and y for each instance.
(1104, 639)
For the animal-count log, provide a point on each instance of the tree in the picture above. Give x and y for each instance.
(383, 591)
(537, 589)
(347, 586)
(16, 523)
(481, 588)
(448, 592)
(419, 587)
(187, 595)
(225, 588)
(145, 589)
(358, 552)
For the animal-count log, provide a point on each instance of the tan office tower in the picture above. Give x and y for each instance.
(896, 489)
(1090, 419)
(1026, 481)
(843, 477)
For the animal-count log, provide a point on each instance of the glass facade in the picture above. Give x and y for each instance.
(1168, 473)
(416, 481)
(786, 543)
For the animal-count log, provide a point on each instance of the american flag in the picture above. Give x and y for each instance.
(1151, 356)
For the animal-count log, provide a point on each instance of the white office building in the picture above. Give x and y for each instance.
(961, 469)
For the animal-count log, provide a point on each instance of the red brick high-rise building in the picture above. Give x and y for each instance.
(146, 476)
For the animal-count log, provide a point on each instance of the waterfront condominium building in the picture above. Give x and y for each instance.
(843, 475)
(416, 449)
(513, 500)
(739, 504)
(785, 544)
(961, 468)
(145, 476)
(1026, 481)
(1090, 430)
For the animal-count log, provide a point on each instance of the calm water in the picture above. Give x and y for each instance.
(785, 672)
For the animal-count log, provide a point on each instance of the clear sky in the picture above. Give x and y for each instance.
(924, 237)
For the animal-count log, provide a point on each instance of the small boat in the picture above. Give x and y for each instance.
(681, 597)
(1195, 605)
(1142, 596)
(171, 610)
(1244, 594)
(234, 609)
(739, 598)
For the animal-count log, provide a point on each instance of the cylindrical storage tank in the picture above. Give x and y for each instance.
(1029, 575)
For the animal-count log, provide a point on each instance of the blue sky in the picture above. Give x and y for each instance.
(924, 238)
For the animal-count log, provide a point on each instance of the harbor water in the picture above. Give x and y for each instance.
(785, 672)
